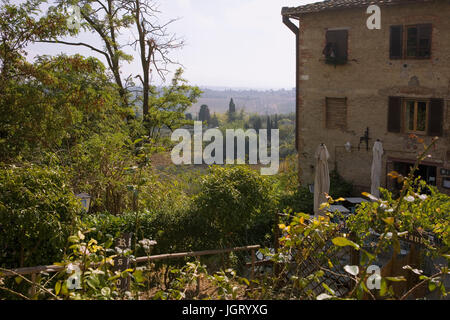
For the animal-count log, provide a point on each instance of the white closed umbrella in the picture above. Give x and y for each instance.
(322, 179)
(376, 169)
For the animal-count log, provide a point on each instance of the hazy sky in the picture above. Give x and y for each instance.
(230, 43)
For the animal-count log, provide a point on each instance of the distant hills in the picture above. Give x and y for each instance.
(262, 102)
(252, 101)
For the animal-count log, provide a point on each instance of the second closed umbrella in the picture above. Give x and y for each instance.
(322, 179)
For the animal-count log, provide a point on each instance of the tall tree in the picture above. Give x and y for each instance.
(269, 127)
(19, 26)
(275, 122)
(231, 106)
(231, 111)
(153, 42)
(204, 114)
(106, 18)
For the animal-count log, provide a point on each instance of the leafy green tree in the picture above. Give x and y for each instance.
(255, 122)
(64, 99)
(214, 121)
(107, 19)
(21, 25)
(169, 105)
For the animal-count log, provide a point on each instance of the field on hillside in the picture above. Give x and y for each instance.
(252, 101)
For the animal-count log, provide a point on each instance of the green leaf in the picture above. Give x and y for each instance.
(245, 280)
(396, 279)
(58, 287)
(18, 279)
(343, 242)
(331, 291)
(138, 276)
(432, 286)
(64, 289)
(115, 277)
(383, 287)
(93, 282)
(74, 239)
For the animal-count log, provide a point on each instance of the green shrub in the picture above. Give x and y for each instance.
(37, 213)
(235, 206)
(301, 200)
(168, 228)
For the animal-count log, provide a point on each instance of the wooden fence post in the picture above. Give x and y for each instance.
(33, 286)
(198, 278)
(252, 275)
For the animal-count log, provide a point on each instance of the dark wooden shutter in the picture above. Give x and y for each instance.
(340, 40)
(396, 42)
(336, 113)
(395, 114)
(424, 40)
(435, 117)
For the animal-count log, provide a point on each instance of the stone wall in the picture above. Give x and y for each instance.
(367, 80)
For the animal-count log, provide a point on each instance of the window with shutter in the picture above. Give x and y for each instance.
(395, 114)
(410, 42)
(336, 113)
(336, 48)
(421, 116)
(435, 117)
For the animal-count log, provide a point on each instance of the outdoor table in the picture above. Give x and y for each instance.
(354, 201)
(340, 208)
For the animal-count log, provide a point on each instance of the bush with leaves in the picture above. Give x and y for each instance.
(307, 246)
(235, 206)
(37, 213)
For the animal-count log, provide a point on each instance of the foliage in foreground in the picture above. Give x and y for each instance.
(37, 214)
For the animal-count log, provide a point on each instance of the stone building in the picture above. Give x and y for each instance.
(357, 83)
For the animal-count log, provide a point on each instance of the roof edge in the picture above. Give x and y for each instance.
(317, 7)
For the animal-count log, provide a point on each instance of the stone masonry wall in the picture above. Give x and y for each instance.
(367, 80)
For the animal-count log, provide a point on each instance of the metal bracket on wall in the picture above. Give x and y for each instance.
(365, 139)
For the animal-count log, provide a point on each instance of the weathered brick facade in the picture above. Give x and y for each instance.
(367, 81)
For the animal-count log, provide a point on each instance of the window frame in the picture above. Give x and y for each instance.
(404, 42)
(404, 116)
(337, 60)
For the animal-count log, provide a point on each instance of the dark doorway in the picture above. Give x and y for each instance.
(426, 173)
